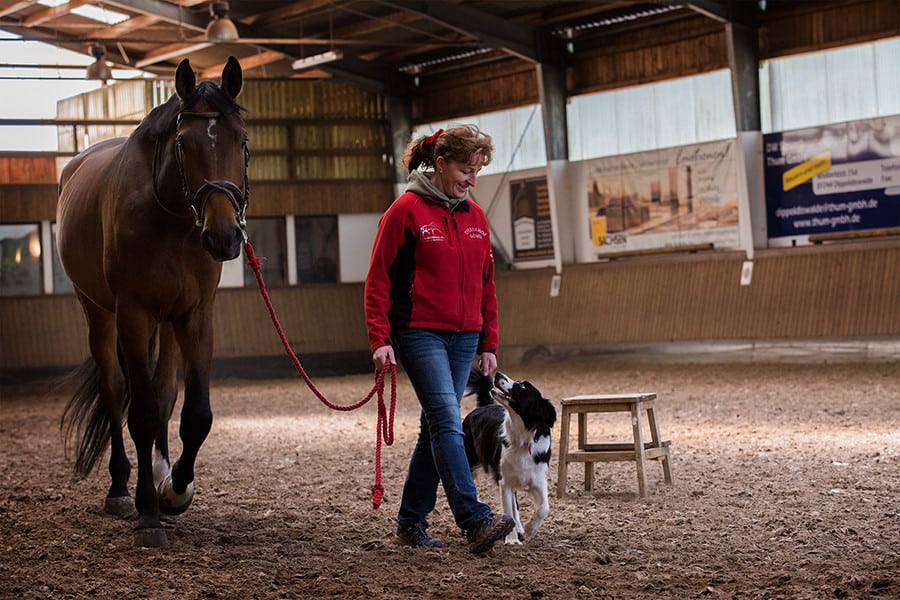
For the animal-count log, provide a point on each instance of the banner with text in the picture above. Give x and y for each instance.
(665, 198)
(532, 226)
(833, 178)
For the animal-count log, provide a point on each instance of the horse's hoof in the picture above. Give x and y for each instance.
(151, 537)
(172, 503)
(120, 506)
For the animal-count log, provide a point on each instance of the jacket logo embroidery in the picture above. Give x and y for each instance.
(476, 233)
(431, 233)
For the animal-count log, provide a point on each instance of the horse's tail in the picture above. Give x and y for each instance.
(85, 418)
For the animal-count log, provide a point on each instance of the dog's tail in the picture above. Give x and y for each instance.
(480, 384)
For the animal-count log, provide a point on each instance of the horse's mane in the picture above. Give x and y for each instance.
(161, 120)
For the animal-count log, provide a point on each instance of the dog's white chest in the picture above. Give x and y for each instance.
(518, 467)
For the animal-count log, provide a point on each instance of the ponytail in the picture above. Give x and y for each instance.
(459, 144)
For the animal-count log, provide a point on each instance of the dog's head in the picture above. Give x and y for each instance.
(523, 399)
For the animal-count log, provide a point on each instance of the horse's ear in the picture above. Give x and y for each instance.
(232, 77)
(185, 80)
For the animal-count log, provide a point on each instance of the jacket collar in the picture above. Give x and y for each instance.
(420, 184)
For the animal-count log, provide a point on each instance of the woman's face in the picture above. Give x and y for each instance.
(455, 178)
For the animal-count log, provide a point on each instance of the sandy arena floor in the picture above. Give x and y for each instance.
(787, 485)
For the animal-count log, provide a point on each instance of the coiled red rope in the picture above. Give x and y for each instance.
(384, 427)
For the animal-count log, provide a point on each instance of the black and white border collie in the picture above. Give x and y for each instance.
(510, 440)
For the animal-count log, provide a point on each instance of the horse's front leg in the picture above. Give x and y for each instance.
(195, 339)
(166, 386)
(135, 330)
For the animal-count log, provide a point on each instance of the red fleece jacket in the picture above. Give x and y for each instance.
(432, 269)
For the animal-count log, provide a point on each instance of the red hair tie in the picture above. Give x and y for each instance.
(429, 141)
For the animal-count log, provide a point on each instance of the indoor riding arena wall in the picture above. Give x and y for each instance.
(845, 290)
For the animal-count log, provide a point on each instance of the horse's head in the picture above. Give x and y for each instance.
(212, 155)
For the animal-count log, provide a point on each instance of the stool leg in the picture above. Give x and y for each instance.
(651, 418)
(582, 444)
(654, 432)
(563, 452)
(667, 467)
(639, 448)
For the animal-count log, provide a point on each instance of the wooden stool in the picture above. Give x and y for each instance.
(591, 452)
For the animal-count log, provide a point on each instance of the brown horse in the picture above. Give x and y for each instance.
(144, 223)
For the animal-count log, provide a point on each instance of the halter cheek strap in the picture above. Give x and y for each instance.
(239, 197)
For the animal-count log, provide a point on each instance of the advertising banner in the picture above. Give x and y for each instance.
(531, 223)
(833, 178)
(664, 198)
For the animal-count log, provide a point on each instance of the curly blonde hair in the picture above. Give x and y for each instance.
(458, 144)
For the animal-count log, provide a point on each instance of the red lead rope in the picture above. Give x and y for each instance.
(385, 425)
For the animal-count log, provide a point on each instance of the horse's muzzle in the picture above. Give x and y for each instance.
(224, 244)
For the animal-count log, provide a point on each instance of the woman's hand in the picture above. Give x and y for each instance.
(488, 363)
(384, 355)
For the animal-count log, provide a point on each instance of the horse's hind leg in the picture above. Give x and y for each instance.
(102, 340)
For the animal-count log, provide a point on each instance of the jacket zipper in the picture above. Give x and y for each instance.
(459, 255)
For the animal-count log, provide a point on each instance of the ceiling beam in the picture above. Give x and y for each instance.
(528, 43)
(164, 11)
(289, 11)
(125, 27)
(9, 7)
(172, 51)
(710, 8)
(54, 12)
(248, 62)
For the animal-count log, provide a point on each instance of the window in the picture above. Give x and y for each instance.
(317, 249)
(832, 86)
(677, 112)
(20, 260)
(518, 136)
(268, 239)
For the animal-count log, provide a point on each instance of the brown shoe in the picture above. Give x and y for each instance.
(415, 535)
(483, 536)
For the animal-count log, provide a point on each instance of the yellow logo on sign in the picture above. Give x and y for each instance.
(598, 231)
(806, 171)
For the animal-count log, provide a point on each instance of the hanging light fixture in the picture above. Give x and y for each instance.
(317, 59)
(98, 68)
(221, 28)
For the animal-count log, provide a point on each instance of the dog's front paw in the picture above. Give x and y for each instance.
(514, 538)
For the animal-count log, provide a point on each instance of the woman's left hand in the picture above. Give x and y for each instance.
(488, 363)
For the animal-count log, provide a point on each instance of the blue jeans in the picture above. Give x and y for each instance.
(438, 364)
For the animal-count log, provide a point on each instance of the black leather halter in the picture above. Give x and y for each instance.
(196, 200)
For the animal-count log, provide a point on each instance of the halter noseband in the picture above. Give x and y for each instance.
(239, 197)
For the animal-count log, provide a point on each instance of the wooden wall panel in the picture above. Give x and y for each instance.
(845, 290)
(37, 169)
(686, 47)
(627, 56)
(837, 291)
(501, 84)
(316, 319)
(27, 202)
(794, 27)
(269, 198)
(43, 331)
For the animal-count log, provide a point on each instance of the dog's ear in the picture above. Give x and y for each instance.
(474, 382)
(549, 413)
(481, 385)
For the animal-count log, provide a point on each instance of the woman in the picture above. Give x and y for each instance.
(430, 298)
